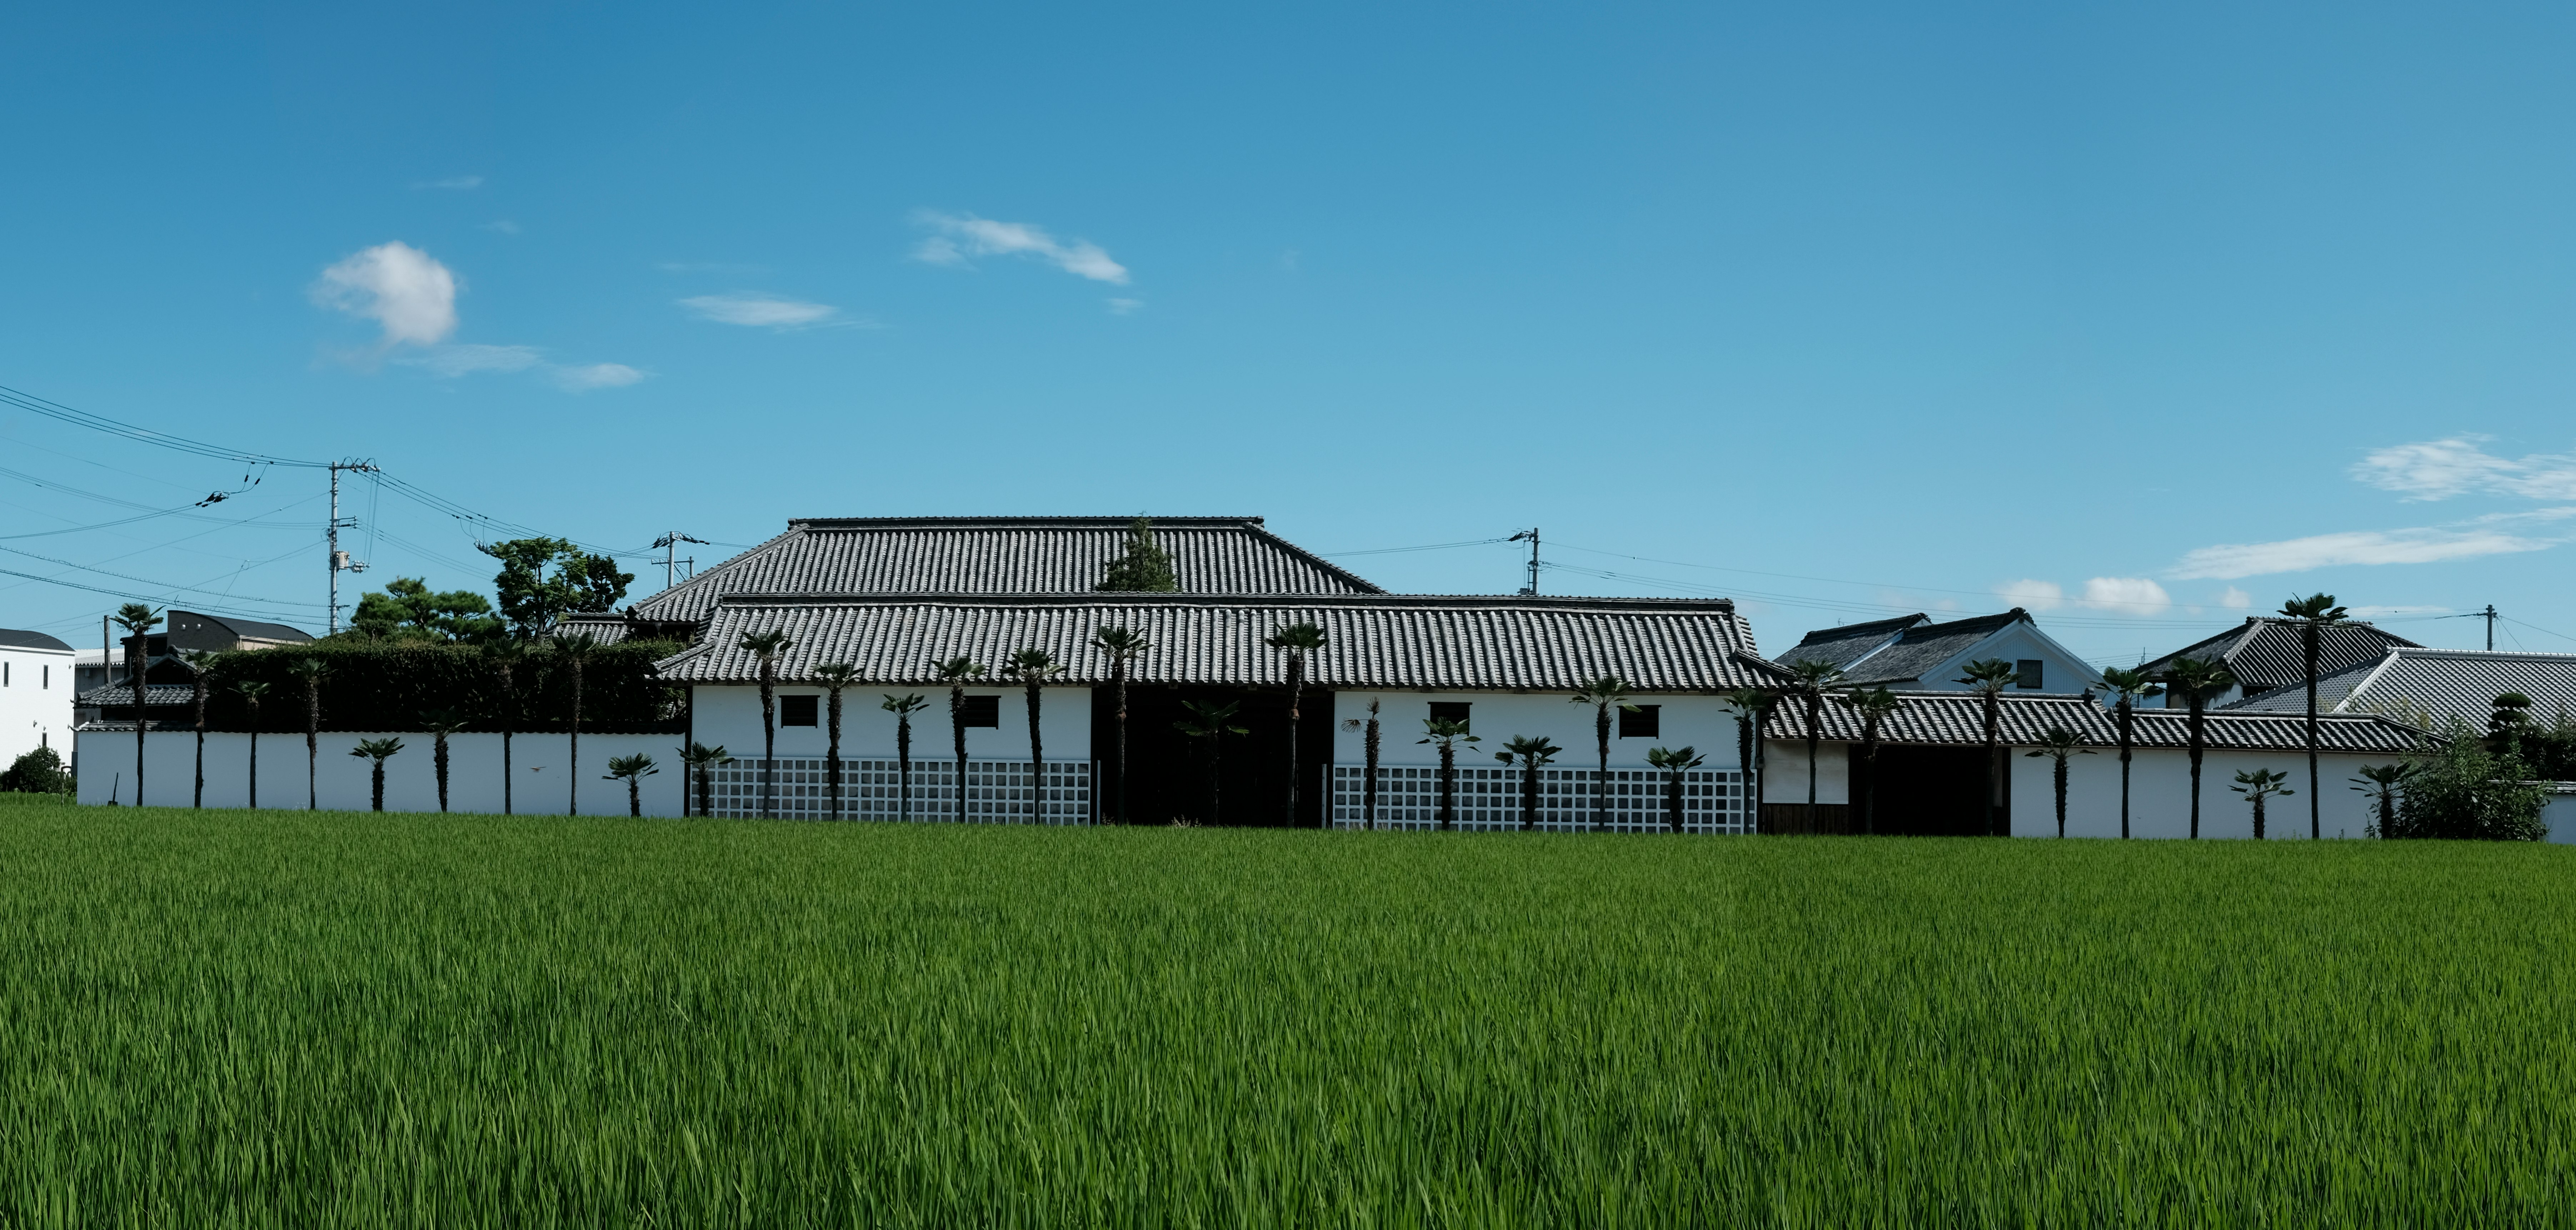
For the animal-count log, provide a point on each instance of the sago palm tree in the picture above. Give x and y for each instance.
(1808, 681)
(199, 662)
(1446, 734)
(309, 671)
(1123, 645)
(632, 770)
(1212, 722)
(765, 647)
(1989, 678)
(903, 707)
(251, 692)
(1298, 639)
(2130, 686)
(834, 676)
(1875, 706)
(2196, 680)
(1032, 668)
(2257, 785)
(1369, 743)
(1752, 707)
(955, 672)
(505, 657)
(1529, 755)
(1676, 763)
(574, 652)
(137, 620)
(1602, 694)
(2057, 745)
(2313, 614)
(377, 750)
(440, 723)
(2382, 782)
(699, 763)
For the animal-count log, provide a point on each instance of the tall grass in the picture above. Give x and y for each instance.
(348, 1020)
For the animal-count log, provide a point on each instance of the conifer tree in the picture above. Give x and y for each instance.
(1143, 567)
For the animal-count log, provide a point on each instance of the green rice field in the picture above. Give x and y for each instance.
(247, 1018)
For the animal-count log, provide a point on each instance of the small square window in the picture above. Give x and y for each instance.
(1641, 722)
(2031, 675)
(797, 710)
(984, 711)
(1450, 710)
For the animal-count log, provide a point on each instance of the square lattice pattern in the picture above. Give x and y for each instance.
(997, 791)
(1408, 797)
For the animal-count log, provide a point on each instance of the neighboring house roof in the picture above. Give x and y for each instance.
(2439, 684)
(11, 638)
(605, 627)
(186, 622)
(2265, 653)
(1851, 642)
(1957, 719)
(1900, 650)
(1372, 641)
(999, 555)
(118, 696)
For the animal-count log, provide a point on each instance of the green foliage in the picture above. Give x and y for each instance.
(376, 749)
(637, 766)
(1142, 566)
(407, 610)
(402, 685)
(544, 579)
(256, 1018)
(2464, 791)
(38, 772)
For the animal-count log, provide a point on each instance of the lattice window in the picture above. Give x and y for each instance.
(997, 791)
(1408, 797)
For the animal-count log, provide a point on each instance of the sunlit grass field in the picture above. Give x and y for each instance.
(282, 1018)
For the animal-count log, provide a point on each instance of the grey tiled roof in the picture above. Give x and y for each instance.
(605, 628)
(2264, 654)
(2439, 684)
(118, 695)
(11, 638)
(1955, 719)
(999, 555)
(1926, 646)
(1380, 641)
(1844, 645)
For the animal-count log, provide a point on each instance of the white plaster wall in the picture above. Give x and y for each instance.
(2160, 795)
(2061, 674)
(1701, 722)
(729, 717)
(1785, 771)
(33, 714)
(2560, 815)
(540, 764)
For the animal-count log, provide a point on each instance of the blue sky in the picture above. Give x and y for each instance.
(2132, 318)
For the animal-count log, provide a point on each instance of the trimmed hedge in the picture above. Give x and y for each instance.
(389, 687)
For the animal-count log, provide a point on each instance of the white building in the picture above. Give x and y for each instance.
(35, 695)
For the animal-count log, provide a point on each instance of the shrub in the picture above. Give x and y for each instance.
(2465, 791)
(38, 772)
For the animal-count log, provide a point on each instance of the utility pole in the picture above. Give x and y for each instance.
(670, 543)
(2489, 615)
(340, 560)
(1530, 536)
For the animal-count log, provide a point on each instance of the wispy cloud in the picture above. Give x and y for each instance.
(961, 237)
(2033, 595)
(502, 225)
(596, 376)
(1125, 307)
(760, 311)
(398, 286)
(2441, 469)
(2235, 599)
(466, 360)
(2421, 545)
(453, 183)
(2111, 595)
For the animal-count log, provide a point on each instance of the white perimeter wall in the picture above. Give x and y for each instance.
(1702, 722)
(730, 717)
(540, 764)
(2160, 795)
(1785, 772)
(33, 714)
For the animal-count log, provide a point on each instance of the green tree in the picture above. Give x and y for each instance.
(632, 770)
(1530, 755)
(408, 610)
(200, 661)
(544, 579)
(1808, 681)
(440, 723)
(1602, 694)
(573, 650)
(834, 676)
(1032, 668)
(1989, 678)
(2313, 614)
(2130, 686)
(2509, 724)
(2196, 681)
(2059, 745)
(955, 672)
(700, 761)
(1298, 639)
(2258, 785)
(1142, 566)
(40, 771)
(252, 691)
(1875, 706)
(1212, 722)
(309, 672)
(1123, 645)
(2382, 782)
(1752, 708)
(505, 657)
(765, 648)
(1445, 734)
(2461, 790)
(377, 750)
(1676, 763)
(903, 707)
(1370, 737)
(137, 620)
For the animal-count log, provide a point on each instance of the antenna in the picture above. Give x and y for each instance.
(670, 543)
(1530, 536)
(340, 561)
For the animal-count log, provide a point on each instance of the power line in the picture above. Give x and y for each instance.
(1437, 546)
(33, 404)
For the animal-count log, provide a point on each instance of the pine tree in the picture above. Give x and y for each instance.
(1143, 567)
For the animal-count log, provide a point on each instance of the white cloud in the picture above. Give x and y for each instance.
(465, 360)
(398, 286)
(2440, 469)
(1125, 307)
(503, 225)
(596, 376)
(2235, 599)
(2425, 545)
(2125, 596)
(2032, 595)
(963, 237)
(454, 183)
(760, 310)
